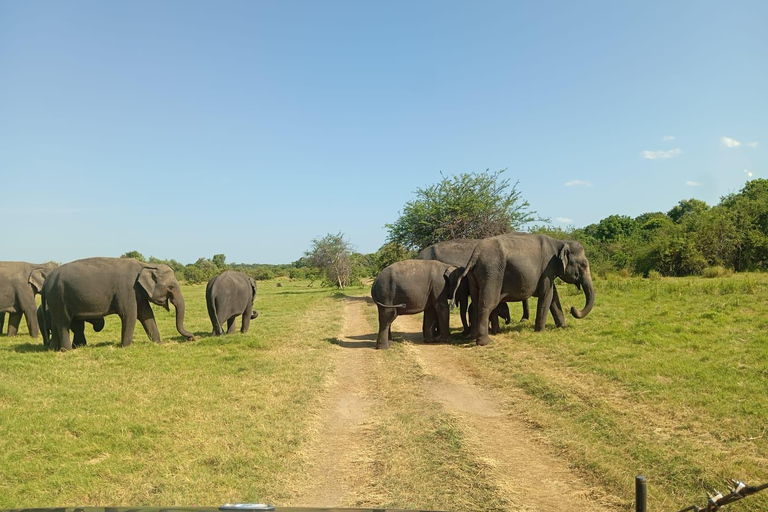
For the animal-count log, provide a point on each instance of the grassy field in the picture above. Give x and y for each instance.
(199, 422)
(666, 377)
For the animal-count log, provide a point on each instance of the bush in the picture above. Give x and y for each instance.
(716, 271)
(654, 274)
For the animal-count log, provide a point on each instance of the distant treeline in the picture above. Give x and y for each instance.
(690, 239)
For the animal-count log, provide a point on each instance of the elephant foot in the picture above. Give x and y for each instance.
(466, 332)
(430, 340)
(383, 346)
(483, 340)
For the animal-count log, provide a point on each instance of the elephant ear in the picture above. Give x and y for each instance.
(37, 278)
(148, 279)
(563, 254)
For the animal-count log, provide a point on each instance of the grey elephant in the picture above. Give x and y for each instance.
(229, 295)
(457, 252)
(513, 267)
(19, 283)
(77, 328)
(412, 286)
(96, 287)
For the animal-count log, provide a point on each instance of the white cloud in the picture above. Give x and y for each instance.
(564, 220)
(578, 183)
(748, 172)
(751, 144)
(653, 155)
(729, 142)
(669, 137)
(693, 183)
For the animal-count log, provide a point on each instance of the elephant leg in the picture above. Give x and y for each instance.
(429, 321)
(146, 316)
(231, 325)
(386, 317)
(2, 321)
(542, 307)
(487, 299)
(14, 320)
(526, 311)
(128, 316)
(78, 328)
(443, 314)
(65, 343)
(494, 321)
(30, 313)
(463, 310)
(245, 323)
(557, 309)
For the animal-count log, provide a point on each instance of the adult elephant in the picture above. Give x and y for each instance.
(96, 287)
(19, 282)
(78, 327)
(514, 267)
(412, 286)
(229, 295)
(457, 252)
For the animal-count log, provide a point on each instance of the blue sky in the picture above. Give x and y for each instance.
(183, 129)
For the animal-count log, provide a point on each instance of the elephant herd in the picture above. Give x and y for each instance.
(87, 290)
(493, 271)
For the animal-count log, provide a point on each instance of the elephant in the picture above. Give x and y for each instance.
(229, 295)
(516, 266)
(457, 252)
(78, 327)
(19, 282)
(412, 286)
(96, 287)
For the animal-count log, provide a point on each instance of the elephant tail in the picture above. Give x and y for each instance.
(467, 268)
(390, 306)
(217, 330)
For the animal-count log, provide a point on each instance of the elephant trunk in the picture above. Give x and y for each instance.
(589, 293)
(177, 299)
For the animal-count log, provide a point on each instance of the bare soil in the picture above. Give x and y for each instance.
(527, 474)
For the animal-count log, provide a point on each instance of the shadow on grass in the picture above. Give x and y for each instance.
(368, 341)
(311, 290)
(26, 348)
(358, 298)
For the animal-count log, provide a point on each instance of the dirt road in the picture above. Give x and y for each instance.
(526, 474)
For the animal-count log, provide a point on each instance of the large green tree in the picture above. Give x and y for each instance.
(467, 205)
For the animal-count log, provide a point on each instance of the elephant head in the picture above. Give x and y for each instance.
(503, 310)
(575, 270)
(36, 279)
(452, 276)
(161, 286)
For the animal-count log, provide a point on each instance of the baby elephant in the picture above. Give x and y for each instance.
(412, 286)
(229, 295)
(77, 328)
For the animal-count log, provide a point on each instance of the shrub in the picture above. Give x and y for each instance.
(654, 274)
(716, 271)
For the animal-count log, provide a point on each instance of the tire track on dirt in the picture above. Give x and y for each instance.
(527, 473)
(337, 458)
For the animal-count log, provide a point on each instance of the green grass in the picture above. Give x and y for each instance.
(202, 422)
(666, 377)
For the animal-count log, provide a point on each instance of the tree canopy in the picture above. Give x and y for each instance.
(332, 254)
(467, 205)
